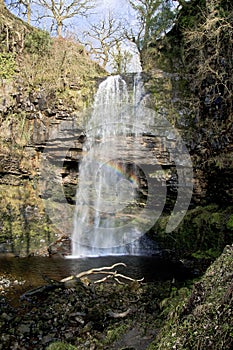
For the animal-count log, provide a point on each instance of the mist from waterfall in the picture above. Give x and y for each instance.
(109, 179)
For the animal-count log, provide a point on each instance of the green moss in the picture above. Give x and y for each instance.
(7, 65)
(203, 233)
(61, 346)
(230, 223)
(25, 227)
(115, 333)
(210, 253)
(38, 42)
(203, 319)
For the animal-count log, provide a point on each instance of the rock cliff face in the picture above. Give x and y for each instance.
(41, 148)
(42, 139)
(39, 98)
(28, 122)
(203, 98)
(43, 111)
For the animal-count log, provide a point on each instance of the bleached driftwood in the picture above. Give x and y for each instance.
(105, 270)
(81, 280)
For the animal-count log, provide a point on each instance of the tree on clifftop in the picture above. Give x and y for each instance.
(22, 7)
(153, 18)
(208, 54)
(62, 10)
(58, 11)
(102, 38)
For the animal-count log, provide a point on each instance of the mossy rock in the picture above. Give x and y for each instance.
(203, 233)
(203, 319)
(115, 333)
(25, 227)
(61, 346)
(230, 223)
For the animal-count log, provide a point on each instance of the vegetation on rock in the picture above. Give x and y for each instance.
(203, 233)
(204, 319)
(198, 56)
(61, 346)
(7, 65)
(45, 81)
(198, 50)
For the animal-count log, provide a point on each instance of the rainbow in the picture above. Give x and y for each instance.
(120, 169)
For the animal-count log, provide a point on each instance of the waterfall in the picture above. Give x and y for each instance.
(122, 187)
(109, 180)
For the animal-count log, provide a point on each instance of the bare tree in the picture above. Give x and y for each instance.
(23, 8)
(102, 37)
(59, 11)
(120, 59)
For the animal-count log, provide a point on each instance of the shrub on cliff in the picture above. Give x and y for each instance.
(38, 42)
(7, 65)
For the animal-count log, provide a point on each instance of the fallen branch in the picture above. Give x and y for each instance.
(82, 280)
(92, 271)
(103, 270)
(41, 290)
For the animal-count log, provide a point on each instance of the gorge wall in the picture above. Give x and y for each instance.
(197, 51)
(44, 101)
(51, 129)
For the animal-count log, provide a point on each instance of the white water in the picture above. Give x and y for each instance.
(122, 185)
(109, 180)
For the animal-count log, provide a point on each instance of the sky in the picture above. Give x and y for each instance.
(114, 5)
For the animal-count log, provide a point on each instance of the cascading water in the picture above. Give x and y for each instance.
(109, 180)
(122, 183)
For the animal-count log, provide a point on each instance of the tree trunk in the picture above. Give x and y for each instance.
(29, 13)
(2, 5)
(59, 30)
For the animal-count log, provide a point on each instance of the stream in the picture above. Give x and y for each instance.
(27, 273)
